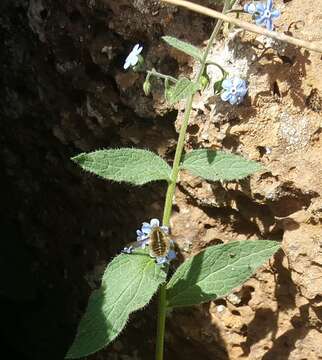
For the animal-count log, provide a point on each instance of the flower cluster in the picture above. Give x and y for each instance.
(143, 239)
(234, 90)
(264, 13)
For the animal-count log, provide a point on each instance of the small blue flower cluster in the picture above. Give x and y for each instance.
(143, 238)
(264, 13)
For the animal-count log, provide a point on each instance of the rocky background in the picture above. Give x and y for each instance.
(63, 91)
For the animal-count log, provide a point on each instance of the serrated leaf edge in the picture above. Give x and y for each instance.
(168, 179)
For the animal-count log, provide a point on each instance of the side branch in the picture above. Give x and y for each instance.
(314, 46)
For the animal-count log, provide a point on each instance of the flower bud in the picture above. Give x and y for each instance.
(147, 87)
(204, 81)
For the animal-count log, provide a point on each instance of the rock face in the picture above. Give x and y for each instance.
(63, 91)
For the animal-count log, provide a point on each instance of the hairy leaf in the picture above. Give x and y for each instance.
(135, 166)
(218, 165)
(184, 47)
(183, 88)
(216, 271)
(128, 284)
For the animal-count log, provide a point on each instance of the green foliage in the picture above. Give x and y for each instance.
(216, 271)
(218, 86)
(218, 165)
(184, 47)
(135, 166)
(128, 284)
(182, 89)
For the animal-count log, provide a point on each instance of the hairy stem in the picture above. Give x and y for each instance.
(153, 72)
(172, 186)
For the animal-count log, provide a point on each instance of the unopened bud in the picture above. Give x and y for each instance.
(147, 87)
(204, 81)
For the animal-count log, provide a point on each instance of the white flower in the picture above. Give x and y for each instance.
(132, 58)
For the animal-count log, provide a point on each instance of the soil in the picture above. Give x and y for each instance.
(63, 91)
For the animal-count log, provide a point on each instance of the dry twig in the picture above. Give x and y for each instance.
(314, 46)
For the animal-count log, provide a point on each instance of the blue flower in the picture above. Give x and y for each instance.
(133, 57)
(143, 239)
(234, 90)
(264, 13)
(250, 8)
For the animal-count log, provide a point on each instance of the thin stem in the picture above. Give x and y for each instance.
(218, 66)
(161, 322)
(238, 11)
(172, 186)
(155, 73)
(310, 45)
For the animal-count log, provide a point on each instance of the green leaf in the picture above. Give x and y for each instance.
(128, 284)
(183, 88)
(216, 271)
(184, 47)
(135, 166)
(218, 165)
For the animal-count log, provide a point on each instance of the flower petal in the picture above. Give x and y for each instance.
(127, 250)
(260, 7)
(227, 84)
(260, 20)
(233, 99)
(135, 48)
(165, 229)
(250, 8)
(146, 228)
(242, 92)
(161, 260)
(269, 24)
(275, 14)
(154, 222)
(238, 82)
(241, 87)
(127, 63)
(269, 5)
(171, 255)
(225, 95)
(134, 60)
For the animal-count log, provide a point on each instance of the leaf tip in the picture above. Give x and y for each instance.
(78, 159)
(70, 353)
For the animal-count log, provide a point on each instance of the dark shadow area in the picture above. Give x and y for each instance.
(61, 226)
(266, 320)
(284, 344)
(195, 342)
(191, 346)
(94, 328)
(189, 283)
(263, 320)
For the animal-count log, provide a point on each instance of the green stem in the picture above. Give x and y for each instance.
(172, 186)
(223, 71)
(155, 73)
(161, 322)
